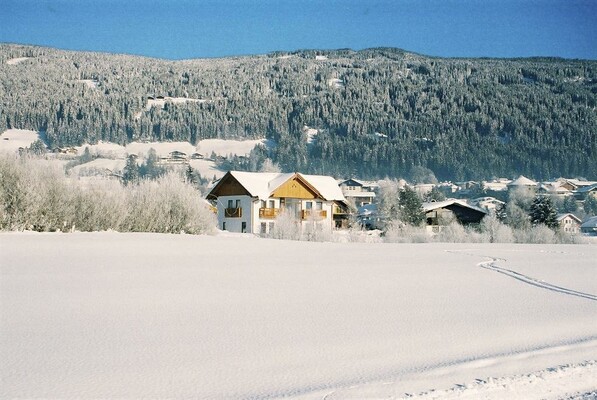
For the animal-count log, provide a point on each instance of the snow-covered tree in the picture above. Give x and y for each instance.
(131, 173)
(543, 212)
(411, 207)
(590, 205)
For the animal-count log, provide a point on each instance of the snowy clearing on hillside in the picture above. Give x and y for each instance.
(99, 166)
(336, 83)
(225, 147)
(206, 147)
(107, 315)
(12, 139)
(90, 83)
(207, 169)
(162, 149)
(175, 100)
(310, 134)
(15, 61)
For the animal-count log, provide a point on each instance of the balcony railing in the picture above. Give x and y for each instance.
(315, 214)
(233, 212)
(269, 213)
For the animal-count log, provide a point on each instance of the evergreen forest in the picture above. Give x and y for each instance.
(379, 112)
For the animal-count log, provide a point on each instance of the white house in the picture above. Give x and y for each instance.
(522, 182)
(569, 223)
(251, 201)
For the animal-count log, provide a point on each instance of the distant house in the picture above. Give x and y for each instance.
(589, 227)
(250, 201)
(522, 182)
(488, 203)
(197, 156)
(554, 189)
(497, 185)
(357, 192)
(441, 213)
(586, 191)
(569, 223)
(177, 157)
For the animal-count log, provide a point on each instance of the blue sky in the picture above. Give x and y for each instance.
(177, 29)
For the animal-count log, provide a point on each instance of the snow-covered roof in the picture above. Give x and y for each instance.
(326, 186)
(586, 189)
(434, 205)
(590, 223)
(560, 217)
(263, 184)
(522, 181)
(359, 194)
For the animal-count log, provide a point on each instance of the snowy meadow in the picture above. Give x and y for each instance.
(130, 315)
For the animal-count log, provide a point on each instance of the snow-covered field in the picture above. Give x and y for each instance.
(225, 147)
(12, 139)
(109, 315)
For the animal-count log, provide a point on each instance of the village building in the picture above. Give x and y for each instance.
(523, 183)
(358, 193)
(589, 227)
(251, 201)
(584, 192)
(488, 203)
(569, 223)
(441, 213)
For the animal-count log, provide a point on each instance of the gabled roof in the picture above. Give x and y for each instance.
(560, 217)
(590, 223)
(434, 205)
(522, 181)
(587, 189)
(263, 184)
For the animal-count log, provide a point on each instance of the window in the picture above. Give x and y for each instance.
(271, 227)
(318, 205)
(243, 228)
(272, 204)
(309, 205)
(223, 226)
(262, 203)
(230, 203)
(237, 203)
(263, 228)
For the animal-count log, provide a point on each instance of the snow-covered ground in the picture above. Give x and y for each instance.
(225, 147)
(160, 103)
(205, 147)
(108, 315)
(18, 60)
(12, 139)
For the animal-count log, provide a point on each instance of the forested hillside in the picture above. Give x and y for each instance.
(378, 112)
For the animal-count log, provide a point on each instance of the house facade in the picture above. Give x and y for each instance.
(250, 202)
(441, 213)
(569, 223)
(358, 193)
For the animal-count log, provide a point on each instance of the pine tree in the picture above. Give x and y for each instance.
(543, 212)
(411, 207)
(190, 176)
(131, 171)
(590, 205)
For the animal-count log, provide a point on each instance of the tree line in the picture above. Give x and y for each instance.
(379, 112)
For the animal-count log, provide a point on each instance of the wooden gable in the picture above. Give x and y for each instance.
(296, 188)
(228, 186)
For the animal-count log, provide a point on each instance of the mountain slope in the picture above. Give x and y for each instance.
(377, 112)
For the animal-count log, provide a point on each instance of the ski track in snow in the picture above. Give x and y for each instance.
(491, 265)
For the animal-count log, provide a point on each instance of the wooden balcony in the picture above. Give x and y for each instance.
(314, 214)
(233, 212)
(269, 213)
